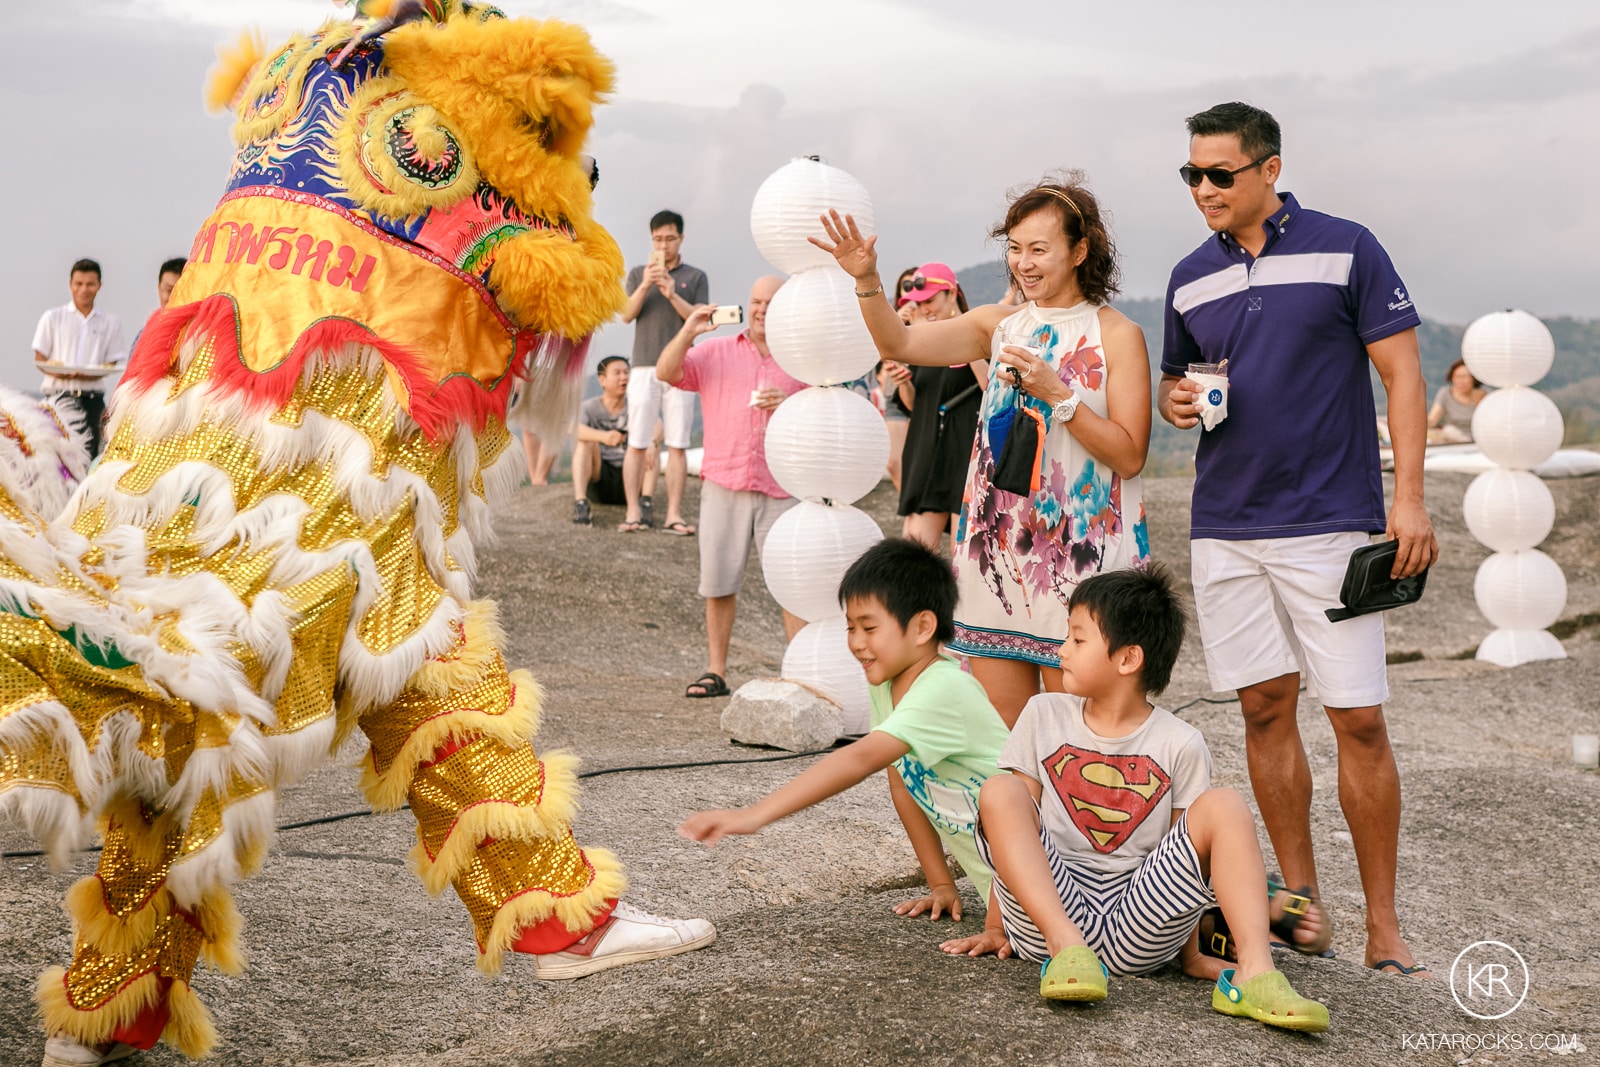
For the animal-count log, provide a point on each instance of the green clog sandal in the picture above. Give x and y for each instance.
(1269, 998)
(1074, 973)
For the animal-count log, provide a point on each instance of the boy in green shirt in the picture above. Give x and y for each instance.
(933, 728)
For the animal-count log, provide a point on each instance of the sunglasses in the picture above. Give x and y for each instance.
(1220, 178)
(921, 282)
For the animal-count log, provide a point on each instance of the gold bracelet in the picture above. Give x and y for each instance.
(870, 292)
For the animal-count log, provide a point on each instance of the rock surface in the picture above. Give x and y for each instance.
(782, 715)
(350, 962)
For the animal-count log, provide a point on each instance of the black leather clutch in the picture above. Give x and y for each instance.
(1368, 587)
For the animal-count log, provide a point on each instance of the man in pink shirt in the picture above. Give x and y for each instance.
(739, 385)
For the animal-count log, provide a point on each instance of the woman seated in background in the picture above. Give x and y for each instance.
(944, 403)
(1450, 418)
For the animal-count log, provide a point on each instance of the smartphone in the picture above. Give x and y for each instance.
(658, 258)
(727, 315)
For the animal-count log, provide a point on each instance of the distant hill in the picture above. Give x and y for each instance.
(1573, 382)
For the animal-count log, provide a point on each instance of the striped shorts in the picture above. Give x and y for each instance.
(1136, 921)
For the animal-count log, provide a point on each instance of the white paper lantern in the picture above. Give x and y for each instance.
(1509, 510)
(1522, 590)
(1512, 648)
(1517, 427)
(807, 552)
(827, 444)
(816, 331)
(819, 658)
(788, 208)
(1508, 348)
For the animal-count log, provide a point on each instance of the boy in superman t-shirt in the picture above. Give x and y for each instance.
(1106, 840)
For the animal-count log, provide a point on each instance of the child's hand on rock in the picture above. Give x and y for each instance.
(941, 900)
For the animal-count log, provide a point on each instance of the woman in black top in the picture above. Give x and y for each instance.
(943, 403)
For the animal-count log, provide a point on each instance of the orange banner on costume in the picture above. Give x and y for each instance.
(291, 261)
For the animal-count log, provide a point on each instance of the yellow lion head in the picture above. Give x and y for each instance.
(451, 127)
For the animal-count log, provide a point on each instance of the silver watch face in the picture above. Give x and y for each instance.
(1066, 409)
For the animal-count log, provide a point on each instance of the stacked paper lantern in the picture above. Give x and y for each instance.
(1520, 590)
(826, 445)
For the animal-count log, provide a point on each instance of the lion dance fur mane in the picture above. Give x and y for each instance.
(277, 547)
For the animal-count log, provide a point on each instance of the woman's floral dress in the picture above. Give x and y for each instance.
(1018, 558)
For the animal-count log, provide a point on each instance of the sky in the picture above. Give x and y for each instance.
(1461, 133)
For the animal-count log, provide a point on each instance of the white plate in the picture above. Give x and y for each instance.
(98, 371)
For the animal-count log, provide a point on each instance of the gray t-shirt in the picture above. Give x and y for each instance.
(658, 321)
(1456, 413)
(1107, 801)
(594, 415)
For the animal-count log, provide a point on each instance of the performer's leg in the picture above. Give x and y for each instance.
(136, 947)
(492, 817)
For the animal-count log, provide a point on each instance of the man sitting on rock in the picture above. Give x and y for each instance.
(602, 442)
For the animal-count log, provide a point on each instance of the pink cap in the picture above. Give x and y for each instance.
(933, 278)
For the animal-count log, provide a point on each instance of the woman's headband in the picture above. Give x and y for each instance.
(1064, 198)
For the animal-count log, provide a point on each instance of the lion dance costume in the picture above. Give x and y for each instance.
(276, 548)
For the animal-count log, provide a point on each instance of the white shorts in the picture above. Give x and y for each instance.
(649, 399)
(1260, 607)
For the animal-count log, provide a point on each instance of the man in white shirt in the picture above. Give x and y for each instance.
(76, 335)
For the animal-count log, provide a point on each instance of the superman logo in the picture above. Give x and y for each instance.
(1107, 797)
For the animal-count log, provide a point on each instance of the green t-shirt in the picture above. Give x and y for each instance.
(955, 737)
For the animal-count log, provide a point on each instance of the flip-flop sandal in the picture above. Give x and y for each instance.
(1216, 940)
(678, 529)
(1295, 905)
(710, 685)
(1268, 998)
(1383, 967)
(1074, 973)
(631, 527)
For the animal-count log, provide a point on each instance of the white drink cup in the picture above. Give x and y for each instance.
(1212, 378)
(1586, 750)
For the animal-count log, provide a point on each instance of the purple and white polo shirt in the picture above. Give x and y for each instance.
(1298, 452)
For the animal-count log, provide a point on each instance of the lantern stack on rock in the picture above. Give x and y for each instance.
(1520, 590)
(826, 446)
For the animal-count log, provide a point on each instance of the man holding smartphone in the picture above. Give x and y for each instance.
(660, 296)
(740, 385)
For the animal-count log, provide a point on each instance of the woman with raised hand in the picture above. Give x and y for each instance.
(1052, 493)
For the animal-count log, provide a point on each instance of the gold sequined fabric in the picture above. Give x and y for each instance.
(95, 977)
(310, 548)
(502, 870)
(389, 728)
(484, 771)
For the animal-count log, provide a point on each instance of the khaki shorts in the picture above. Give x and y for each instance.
(730, 519)
(649, 399)
(1260, 607)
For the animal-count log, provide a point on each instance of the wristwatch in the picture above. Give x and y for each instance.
(1067, 408)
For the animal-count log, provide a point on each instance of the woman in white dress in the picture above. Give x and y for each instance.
(1072, 384)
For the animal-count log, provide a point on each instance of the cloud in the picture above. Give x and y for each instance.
(1466, 148)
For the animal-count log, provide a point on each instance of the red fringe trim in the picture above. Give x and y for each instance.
(438, 408)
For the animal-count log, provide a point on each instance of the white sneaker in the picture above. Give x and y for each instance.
(63, 1051)
(628, 936)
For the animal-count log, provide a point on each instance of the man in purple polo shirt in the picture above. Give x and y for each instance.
(1288, 485)
(739, 385)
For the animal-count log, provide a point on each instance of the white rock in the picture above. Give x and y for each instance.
(783, 715)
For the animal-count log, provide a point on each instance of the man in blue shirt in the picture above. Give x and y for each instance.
(1288, 484)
